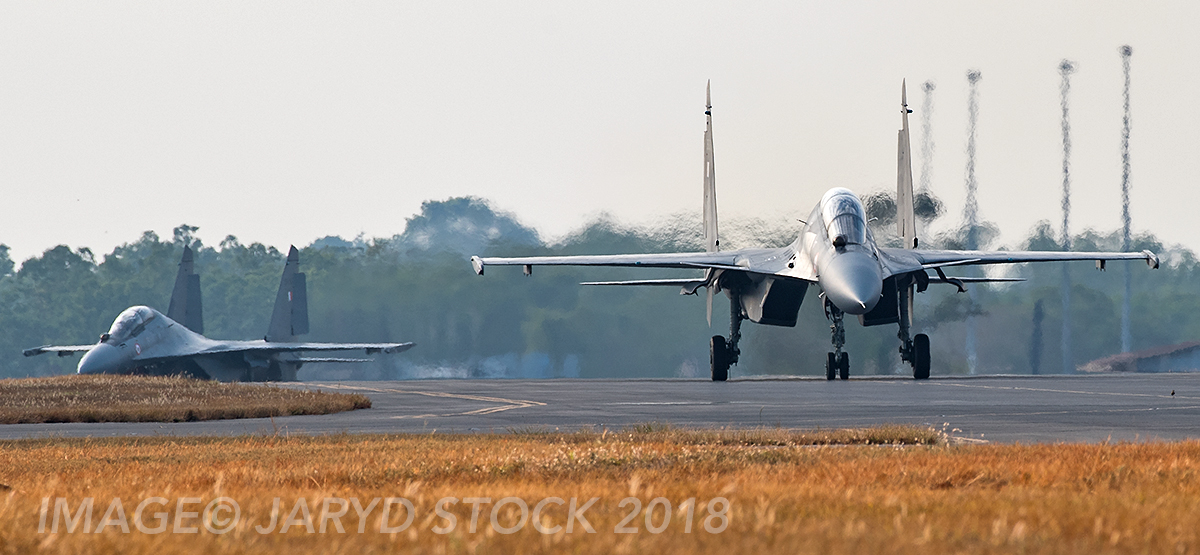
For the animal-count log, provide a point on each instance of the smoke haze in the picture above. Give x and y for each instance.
(1126, 53)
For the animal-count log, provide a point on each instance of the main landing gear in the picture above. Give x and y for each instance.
(722, 353)
(914, 351)
(837, 363)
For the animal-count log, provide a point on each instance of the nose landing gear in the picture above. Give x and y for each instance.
(837, 363)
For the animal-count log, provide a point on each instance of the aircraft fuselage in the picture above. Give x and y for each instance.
(136, 330)
(838, 244)
(141, 335)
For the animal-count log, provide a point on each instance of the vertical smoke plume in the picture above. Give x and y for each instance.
(927, 136)
(1126, 52)
(1066, 68)
(1035, 341)
(971, 210)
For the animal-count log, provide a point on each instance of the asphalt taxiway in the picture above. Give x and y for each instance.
(999, 409)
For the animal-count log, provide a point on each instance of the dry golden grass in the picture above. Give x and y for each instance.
(786, 495)
(103, 398)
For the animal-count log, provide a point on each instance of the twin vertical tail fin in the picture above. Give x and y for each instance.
(906, 221)
(711, 242)
(185, 296)
(290, 317)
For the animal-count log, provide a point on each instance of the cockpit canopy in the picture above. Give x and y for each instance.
(844, 217)
(130, 323)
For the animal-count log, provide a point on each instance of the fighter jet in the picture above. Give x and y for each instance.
(835, 251)
(144, 341)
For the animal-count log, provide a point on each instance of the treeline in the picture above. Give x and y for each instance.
(418, 286)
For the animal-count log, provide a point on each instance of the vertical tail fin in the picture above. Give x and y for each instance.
(906, 221)
(711, 242)
(185, 305)
(290, 317)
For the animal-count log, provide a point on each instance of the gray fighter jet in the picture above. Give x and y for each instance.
(144, 341)
(835, 251)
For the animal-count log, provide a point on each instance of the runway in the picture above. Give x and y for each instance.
(992, 409)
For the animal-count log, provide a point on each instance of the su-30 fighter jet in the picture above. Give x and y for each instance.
(835, 251)
(144, 341)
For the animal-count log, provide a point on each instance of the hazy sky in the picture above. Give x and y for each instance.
(282, 122)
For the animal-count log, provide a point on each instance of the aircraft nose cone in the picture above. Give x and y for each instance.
(852, 282)
(102, 359)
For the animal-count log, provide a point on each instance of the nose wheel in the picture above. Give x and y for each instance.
(837, 363)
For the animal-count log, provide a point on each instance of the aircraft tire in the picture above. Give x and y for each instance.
(274, 372)
(718, 358)
(844, 365)
(831, 366)
(921, 357)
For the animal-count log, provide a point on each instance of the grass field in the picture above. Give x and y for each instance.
(103, 398)
(787, 492)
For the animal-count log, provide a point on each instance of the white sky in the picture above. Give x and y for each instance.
(282, 122)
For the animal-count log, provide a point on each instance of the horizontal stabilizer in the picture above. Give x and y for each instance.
(688, 286)
(986, 279)
(309, 359)
(961, 282)
(667, 282)
(705, 266)
(974, 280)
(962, 262)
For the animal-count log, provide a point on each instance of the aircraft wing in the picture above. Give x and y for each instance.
(907, 260)
(60, 350)
(759, 261)
(267, 348)
(692, 260)
(282, 347)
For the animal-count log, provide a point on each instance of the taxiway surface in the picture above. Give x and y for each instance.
(1003, 409)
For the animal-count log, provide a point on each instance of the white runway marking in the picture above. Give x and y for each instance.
(663, 403)
(1047, 390)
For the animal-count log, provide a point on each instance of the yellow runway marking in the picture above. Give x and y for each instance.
(505, 404)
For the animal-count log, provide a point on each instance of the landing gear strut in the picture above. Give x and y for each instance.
(837, 363)
(722, 353)
(914, 351)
